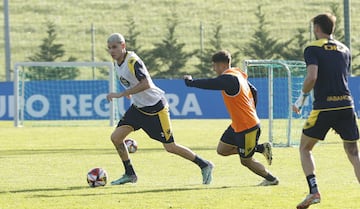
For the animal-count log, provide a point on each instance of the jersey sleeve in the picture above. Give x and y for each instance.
(310, 56)
(227, 83)
(137, 68)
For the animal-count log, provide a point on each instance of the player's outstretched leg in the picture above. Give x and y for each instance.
(266, 182)
(309, 200)
(205, 165)
(267, 152)
(259, 169)
(128, 177)
(125, 179)
(206, 173)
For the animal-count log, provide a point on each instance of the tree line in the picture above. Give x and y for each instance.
(168, 58)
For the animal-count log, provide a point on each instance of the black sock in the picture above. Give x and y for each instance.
(311, 180)
(200, 162)
(129, 170)
(270, 177)
(259, 148)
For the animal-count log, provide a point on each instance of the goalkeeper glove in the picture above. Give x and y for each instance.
(301, 100)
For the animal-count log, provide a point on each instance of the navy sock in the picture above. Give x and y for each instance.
(129, 170)
(259, 148)
(200, 162)
(311, 180)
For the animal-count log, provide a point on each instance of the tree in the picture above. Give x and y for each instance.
(168, 57)
(131, 41)
(51, 52)
(339, 34)
(204, 68)
(262, 46)
(216, 44)
(339, 30)
(294, 48)
(131, 36)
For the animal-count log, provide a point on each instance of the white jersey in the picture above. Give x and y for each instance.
(129, 72)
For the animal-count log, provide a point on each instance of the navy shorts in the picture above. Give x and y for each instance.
(245, 141)
(157, 125)
(343, 121)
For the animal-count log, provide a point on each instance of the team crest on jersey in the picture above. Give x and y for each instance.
(168, 131)
(124, 82)
(167, 134)
(132, 61)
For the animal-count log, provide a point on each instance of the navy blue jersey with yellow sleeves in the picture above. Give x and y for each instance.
(333, 59)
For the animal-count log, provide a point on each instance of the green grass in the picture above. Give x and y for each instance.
(74, 18)
(45, 167)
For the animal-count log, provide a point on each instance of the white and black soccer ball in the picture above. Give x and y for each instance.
(97, 177)
(131, 145)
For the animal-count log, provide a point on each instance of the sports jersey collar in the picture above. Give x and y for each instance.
(233, 69)
(119, 64)
(319, 42)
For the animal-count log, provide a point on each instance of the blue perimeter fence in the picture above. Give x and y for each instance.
(185, 102)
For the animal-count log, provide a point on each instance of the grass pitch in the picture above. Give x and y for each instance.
(45, 167)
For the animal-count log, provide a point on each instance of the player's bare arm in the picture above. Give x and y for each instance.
(141, 86)
(311, 76)
(308, 85)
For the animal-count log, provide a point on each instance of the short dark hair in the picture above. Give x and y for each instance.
(326, 22)
(222, 56)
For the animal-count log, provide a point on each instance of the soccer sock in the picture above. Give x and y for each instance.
(311, 180)
(259, 148)
(270, 177)
(129, 170)
(200, 162)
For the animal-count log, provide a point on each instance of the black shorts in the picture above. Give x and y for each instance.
(343, 121)
(157, 125)
(245, 141)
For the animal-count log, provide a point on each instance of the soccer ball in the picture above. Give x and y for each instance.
(131, 145)
(97, 177)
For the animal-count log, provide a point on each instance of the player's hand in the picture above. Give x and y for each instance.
(112, 95)
(299, 103)
(187, 79)
(295, 109)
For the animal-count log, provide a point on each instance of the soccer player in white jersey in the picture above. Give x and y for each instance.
(149, 111)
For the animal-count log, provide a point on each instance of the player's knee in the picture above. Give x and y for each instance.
(226, 151)
(171, 148)
(305, 147)
(245, 162)
(112, 138)
(221, 152)
(115, 139)
(351, 149)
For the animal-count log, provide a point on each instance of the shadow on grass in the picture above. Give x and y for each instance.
(44, 190)
(83, 151)
(127, 192)
(203, 187)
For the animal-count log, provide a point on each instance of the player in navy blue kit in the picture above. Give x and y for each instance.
(328, 65)
(149, 111)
